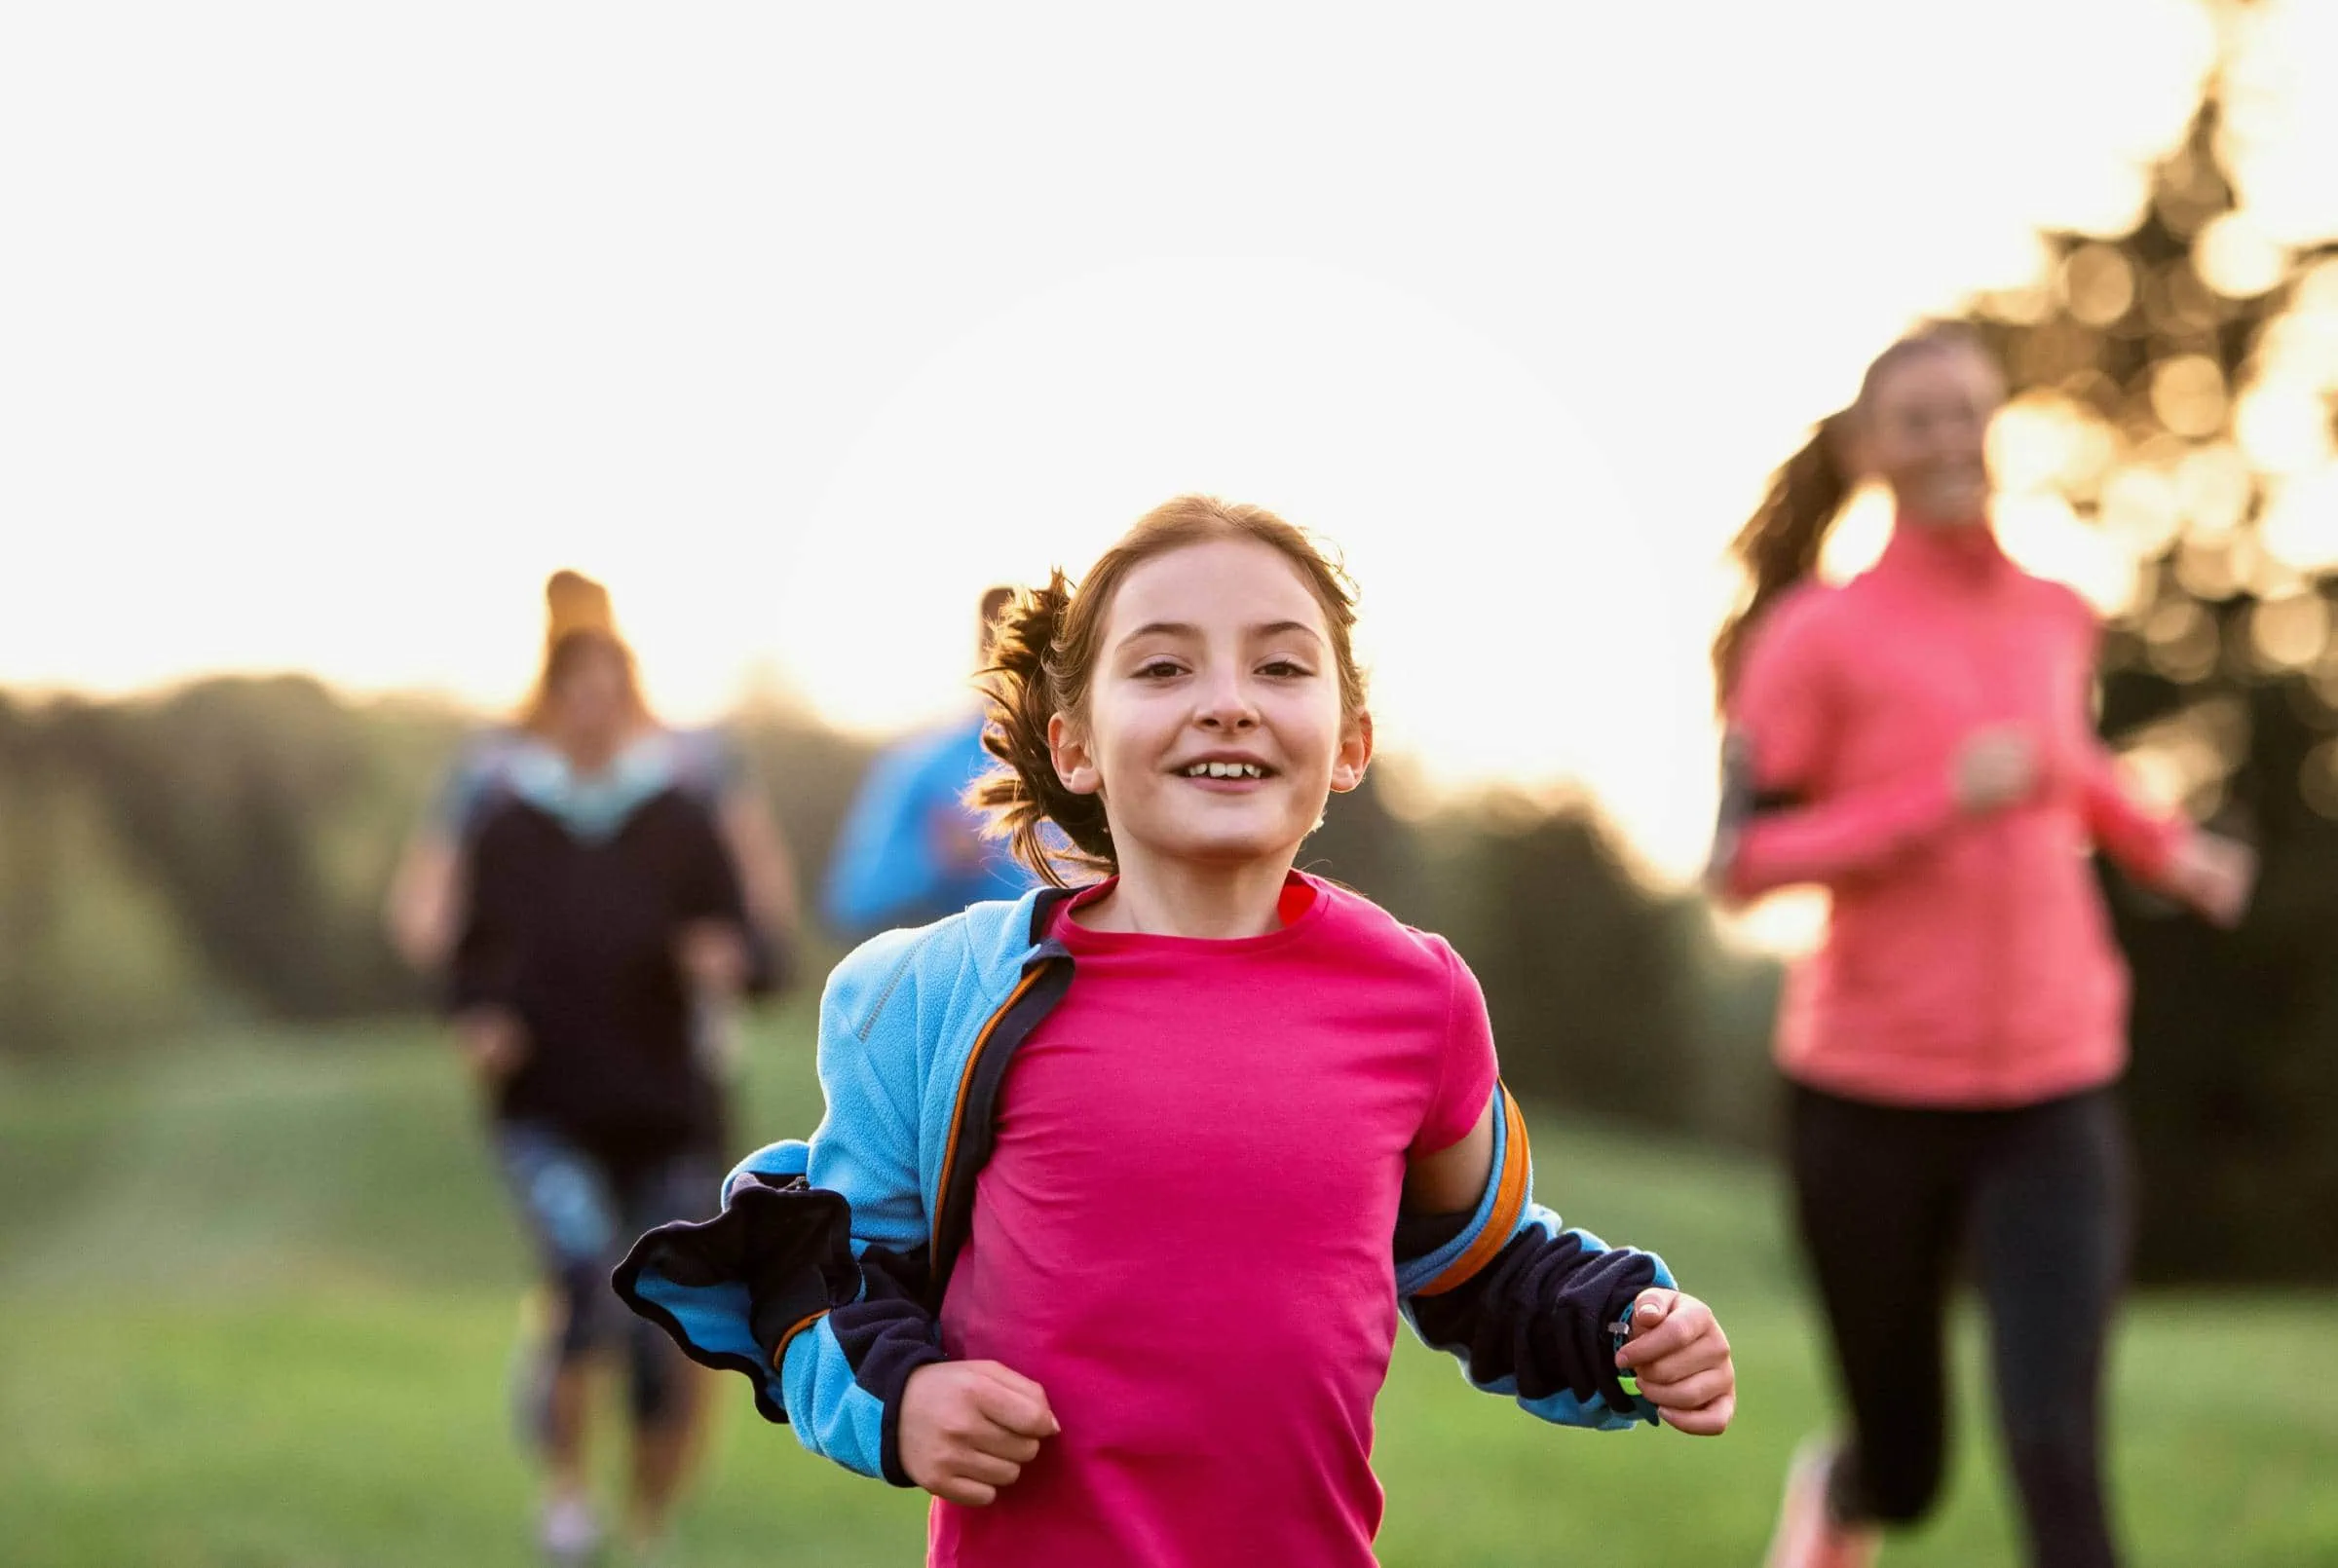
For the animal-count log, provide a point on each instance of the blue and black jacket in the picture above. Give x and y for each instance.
(823, 1276)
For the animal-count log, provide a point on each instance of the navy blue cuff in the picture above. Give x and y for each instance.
(1541, 1315)
(787, 1244)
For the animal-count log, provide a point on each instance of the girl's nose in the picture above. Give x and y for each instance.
(1225, 704)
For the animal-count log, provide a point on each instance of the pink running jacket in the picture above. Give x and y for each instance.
(1968, 960)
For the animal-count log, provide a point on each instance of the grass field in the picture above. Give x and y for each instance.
(256, 1302)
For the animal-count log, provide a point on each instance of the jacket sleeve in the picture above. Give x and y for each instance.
(483, 970)
(1534, 1311)
(467, 793)
(2140, 839)
(709, 889)
(1775, 829)
(811, 1280)
(883, 870)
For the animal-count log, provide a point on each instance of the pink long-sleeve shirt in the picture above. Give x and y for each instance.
(1968, 960)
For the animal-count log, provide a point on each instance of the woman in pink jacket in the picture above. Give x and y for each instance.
(1917, 741)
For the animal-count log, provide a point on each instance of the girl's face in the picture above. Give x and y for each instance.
(1926, 433)
(1213, 726)
(591, 707)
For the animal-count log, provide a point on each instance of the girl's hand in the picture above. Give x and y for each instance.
(969, 1428)
(2215, 875)
(1681, 1360)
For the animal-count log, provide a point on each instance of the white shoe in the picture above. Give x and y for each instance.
(1808, 1535)
(568, 1533)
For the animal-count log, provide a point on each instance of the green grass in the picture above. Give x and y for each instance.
(256, 1303)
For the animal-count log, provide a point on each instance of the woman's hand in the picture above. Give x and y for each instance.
(1995, 768)
(713, 958)
(2215, 874)
(969, 1428)
(1681, 1358)
(493, 1043)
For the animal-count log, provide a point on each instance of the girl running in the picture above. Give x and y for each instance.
(1918, 742)
(1120, 1190)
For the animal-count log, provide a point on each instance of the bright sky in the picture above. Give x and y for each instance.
(326, 333)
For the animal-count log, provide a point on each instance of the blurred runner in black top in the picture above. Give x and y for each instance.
(577, 936)
(601, 915)
(424, 912)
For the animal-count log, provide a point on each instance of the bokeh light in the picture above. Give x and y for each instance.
(2236, 257)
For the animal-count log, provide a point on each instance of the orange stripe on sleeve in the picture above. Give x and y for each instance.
(1509, 1202)
(780, 1356)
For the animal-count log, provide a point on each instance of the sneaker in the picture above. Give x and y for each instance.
(569, 1534)
(1808, 1535)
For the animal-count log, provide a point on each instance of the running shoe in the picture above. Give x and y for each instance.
(1808, 1534)
(569, 1534)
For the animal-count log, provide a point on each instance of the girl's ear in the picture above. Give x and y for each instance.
(1355, 754)
(1068, 745)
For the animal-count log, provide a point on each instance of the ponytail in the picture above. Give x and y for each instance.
(574, 602)
(1779, 546)
(1021, 799)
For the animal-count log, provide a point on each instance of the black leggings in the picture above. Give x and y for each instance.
(1886, 1197)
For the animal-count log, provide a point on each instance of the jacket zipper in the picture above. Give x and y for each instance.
(2004, 900)
(953, 1221)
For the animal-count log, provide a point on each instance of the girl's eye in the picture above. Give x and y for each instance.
(1157, 669)
(1283, 668)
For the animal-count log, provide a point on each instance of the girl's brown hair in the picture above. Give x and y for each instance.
(1044, 655)
(579, 621)
(1780, 545)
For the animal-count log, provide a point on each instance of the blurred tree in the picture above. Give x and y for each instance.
(262, 809)
(226, 845)
(1606, 997)
(90, 954)
(1579, 965)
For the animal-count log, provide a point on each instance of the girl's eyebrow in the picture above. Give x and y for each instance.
(1185, 630)
(1162, 628)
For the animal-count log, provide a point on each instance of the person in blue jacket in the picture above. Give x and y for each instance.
(911, 850)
